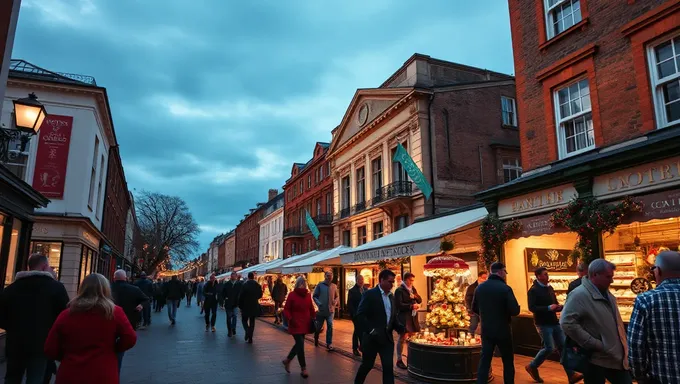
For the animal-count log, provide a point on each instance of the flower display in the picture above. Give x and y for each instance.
(447, 300)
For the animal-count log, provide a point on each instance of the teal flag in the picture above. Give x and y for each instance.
(412, 170)
(312, 225)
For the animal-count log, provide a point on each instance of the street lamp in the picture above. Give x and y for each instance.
(29, 115)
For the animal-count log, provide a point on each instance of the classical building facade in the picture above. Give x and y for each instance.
(230, 249)
(458, 124)
(309, 189)
(271, 228)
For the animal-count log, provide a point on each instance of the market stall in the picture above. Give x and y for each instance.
(444, 351)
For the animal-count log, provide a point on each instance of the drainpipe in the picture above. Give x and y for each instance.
(429, 142)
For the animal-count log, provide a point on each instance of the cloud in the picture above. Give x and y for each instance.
(213, 230)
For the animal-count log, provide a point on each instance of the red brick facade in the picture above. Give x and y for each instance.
(608, 47)
(310, 188)
(248, 238)
(116, 203)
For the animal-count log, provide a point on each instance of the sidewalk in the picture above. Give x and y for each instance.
(551, 372)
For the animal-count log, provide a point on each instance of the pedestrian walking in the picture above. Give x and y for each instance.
(354, 298)
(88, 336)
(130, 298)
(592, 320)
(327, 299)
(495, 303)
(199, 294)
(189, 291)
(146, 286)
(378, 317)
(279, 293)
(159, 295)
(231, 292)
(299, 313)
(408, 302)
(28, 308)
(581, 271)
(248, 301)
(211, 303)
(543, 304)
(173, 294)
(220, 295)
(482, 276)
(654, 328)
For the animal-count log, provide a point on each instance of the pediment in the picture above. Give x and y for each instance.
(366, 106)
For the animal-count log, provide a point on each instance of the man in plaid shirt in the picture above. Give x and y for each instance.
(654, 328)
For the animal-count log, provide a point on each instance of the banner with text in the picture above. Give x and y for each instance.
(312, 225)
(556, 260)
(412, 170)
(54, 139)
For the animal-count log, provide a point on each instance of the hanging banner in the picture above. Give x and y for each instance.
(312, 225)
(51, 159)
(412, 170)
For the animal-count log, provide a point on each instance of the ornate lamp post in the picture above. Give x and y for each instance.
(29, 115)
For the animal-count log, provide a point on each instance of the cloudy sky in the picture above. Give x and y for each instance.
(213, 100)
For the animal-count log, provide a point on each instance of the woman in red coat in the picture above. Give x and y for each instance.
(299, 311)
(87, 336)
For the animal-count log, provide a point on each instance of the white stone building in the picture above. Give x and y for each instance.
(271, 228)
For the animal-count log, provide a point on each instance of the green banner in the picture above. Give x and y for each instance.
(412, 170)
(312, 225)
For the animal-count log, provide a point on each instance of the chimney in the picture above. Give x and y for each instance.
(273, 193)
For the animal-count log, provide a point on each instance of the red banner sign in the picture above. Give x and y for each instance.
(50, 162)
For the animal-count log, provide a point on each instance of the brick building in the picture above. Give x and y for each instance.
(230, 249)
(598, 87)
(114, 218)
(459, 125)
(309, 188)
(248, 237)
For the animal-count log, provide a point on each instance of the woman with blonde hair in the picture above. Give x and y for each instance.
(87, 336)
(300, 313)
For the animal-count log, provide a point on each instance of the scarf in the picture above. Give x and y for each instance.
(410, 290)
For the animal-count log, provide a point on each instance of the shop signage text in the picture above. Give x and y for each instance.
(537, 226)
(52, 157)
(666, 172)
(555, 260)
(385, 253)
(662, 205)
(536, 202)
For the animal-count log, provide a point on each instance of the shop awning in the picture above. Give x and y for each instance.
(421, 238)
(277, 268)
(329, 257)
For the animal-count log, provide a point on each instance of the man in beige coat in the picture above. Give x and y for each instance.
(592, 320)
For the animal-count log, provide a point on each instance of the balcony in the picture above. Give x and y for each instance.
(292, 232)
(324, 219)
(392, 191)
(343, 213)
(359, 207)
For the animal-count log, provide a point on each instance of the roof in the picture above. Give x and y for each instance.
(325, 145)
(22, 68)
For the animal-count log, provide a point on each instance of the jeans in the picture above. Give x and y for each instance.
(400, 346)
(356, 336)
(172, 309)
(329, 328)
(210, 308)
(146, 313)
(248, 326)
(553, 339)
(278, 317)
(474, 323)
(232, 315)
(507, 355)
(32, 366)
(120, 355)
(597, 375)
(299, 350)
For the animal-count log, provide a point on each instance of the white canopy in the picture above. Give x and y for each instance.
(329, 257)
(421, 238)
(277, 268)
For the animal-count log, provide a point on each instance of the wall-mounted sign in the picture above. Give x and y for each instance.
(645, 177)
(536, 226)
(51, 159)
(548, 199)
(556, 260)
(427, 247)
(660, 205)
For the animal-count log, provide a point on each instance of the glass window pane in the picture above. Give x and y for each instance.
(563, 95)
(666, 68)
(571, 145)
(565, 111)
(673, 111)
(586, 103)
(577, 12)
(51, 250)
(576, 106)
(671, 91)
(664, 52)
(574, 91)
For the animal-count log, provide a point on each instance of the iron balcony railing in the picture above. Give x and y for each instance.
(292, 231)
(323, 219)
(396, 189)
(359, 207)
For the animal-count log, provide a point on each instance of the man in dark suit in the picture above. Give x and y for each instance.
(231, 292)
(248, 301)
(495, 303)
(353, 300)
(377, 316)
(128, 297)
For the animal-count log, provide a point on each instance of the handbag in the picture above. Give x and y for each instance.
(574, 357)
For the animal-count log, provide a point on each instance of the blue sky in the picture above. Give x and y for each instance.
(213, 100)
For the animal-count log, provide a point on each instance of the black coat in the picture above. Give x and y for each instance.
(128, 297)
(231, 292)
(279, 292)
(540, 298)
(371, 316)
(173, 290)
(495, 303)
(28, 308)
(470, 294)
(248, 300)
(574, 284)
(146, 286)
(353, 299)
(405, 306)
(210, 292)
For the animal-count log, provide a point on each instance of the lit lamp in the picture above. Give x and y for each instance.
(29, 114)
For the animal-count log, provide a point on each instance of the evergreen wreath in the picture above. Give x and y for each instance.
(589, 218)
(493, 233)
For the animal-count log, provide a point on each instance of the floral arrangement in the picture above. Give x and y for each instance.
(494, 233)
(397, 262)
(588, 218)
(447, 305)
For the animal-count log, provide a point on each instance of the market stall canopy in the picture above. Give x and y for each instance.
(421, 238)
(277, 268)
(329, 257)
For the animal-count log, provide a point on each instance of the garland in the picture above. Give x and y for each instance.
(494, 233)
(589, 218)
(397, 262)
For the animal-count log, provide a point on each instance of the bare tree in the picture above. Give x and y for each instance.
(168, 231)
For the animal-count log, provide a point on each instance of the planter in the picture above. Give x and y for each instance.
(442, 363)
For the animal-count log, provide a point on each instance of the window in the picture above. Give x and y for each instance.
(574, 118)
(321, 173)
(292, 249)
(346, 239)
(511, 169)
(326, 240)
(665, 75)
(318, 206)
(361, 235)
(509, 111)
(294, 191)
(329, 202)
(52, 251)
(302, 186)
(361, 185)
(309, 181)
(398, 171)
(345, 192)
(401, 222)
(328, 169)
(93, 175)
(14, 251)
(377, 230)
(309, 245)
(561, 15)
(301, 218)
(100, 195)
(376, 170)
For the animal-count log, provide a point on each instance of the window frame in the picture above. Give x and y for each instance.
(513, 123)
(517, 167)
(345, 203)
(381, 233)
(547, 17)
(376, 175)
(656, 84)
(360, 185)
(559, 120)
(360, 236)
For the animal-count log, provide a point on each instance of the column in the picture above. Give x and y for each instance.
(352, 187)
(368, 176)
(387, 164)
